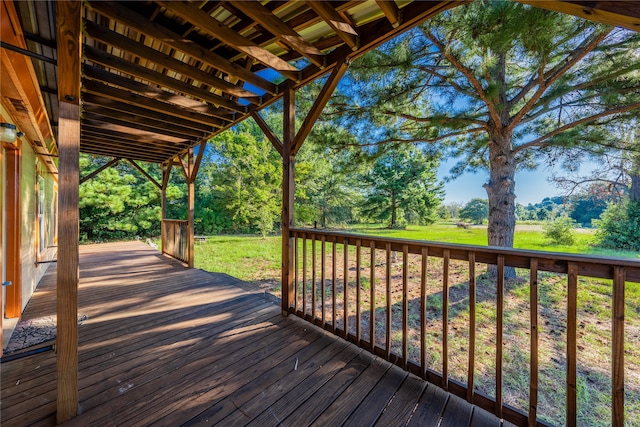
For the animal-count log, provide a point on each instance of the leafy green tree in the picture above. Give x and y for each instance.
(327, 190)
(619, 226)
(476, 210)
(499, 85)
(402, 180)
(242, 179)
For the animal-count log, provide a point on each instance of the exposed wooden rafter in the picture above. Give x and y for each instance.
(343, 29)
(284, 32)
(218, 30)
(126, 16)
(107, 165)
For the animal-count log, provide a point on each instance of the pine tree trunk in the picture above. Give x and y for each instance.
(393, 211)
(501, 192)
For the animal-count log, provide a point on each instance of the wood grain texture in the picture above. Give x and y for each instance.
(68, 261)
(69, 50)
(572, 346)
(617, 329)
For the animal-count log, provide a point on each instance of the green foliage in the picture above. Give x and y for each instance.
(402, 186)
(476, 210)
(619, 226)
(120, 203)
(560, 231)
(239, 184)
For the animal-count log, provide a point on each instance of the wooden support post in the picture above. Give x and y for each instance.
(288, 190)
(166, 173)
(69, 36)
(191, 182)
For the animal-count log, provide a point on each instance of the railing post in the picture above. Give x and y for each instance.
(191, 182)
(288, 190)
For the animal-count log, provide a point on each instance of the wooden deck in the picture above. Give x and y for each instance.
(166, 345)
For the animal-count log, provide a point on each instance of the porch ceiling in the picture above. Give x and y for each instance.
(162, 76)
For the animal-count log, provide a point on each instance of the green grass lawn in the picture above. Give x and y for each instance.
(252, 258)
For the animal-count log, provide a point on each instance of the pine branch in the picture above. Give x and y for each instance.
(540, 142)
(493, 113)
(417, 119)
(547, 79)
(414, 140)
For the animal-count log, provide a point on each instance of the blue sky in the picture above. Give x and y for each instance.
(531, 187)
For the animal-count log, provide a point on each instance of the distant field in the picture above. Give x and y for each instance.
(254, 259)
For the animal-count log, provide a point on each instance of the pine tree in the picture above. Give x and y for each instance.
(500, 85)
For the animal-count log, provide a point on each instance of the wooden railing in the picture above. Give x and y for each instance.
(176, 239)
(452, 315)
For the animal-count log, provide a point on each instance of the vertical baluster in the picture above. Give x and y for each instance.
(322, 276)
(472, 326)
(295, 271)
(304, 275)
(499, 334)
(617, 329)
(333, 282)
(423, 313)
(405, 305)
(313, 278)
(358, 244)
(445, 318)
(388, 322)
(372, 298)
(533, 375)
(572, 350)
(346, 287)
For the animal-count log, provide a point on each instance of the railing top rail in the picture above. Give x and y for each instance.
(176, 220)
(588, 265)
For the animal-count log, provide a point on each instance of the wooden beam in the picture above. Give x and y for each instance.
(185, 165)
(215, 28)
(391, 11)
(288, 191)
(100, 169)
(272, 137)
(191, 197)
(620, 13)
(153, 92)
(68, 259)
(145, 173)
(343, 29)
(118, 147)
(194, 173)
(116, 63)
(69, 37)
(119, 117)
(112, 104)
(320, 102)
(120, 135)
(109, 118)
(69, 49)
(280, 29)
(128, 17)
(101, 89)
(103, 34)
(99, 150)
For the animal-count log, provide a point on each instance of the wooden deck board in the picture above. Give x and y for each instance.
(168, 345)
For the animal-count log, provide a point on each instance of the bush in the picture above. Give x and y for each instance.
(560, 231)
(619, 226)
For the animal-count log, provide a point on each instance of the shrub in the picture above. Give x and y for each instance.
(560, 231)
(619, 226)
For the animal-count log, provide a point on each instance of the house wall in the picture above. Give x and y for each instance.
(32, 272)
